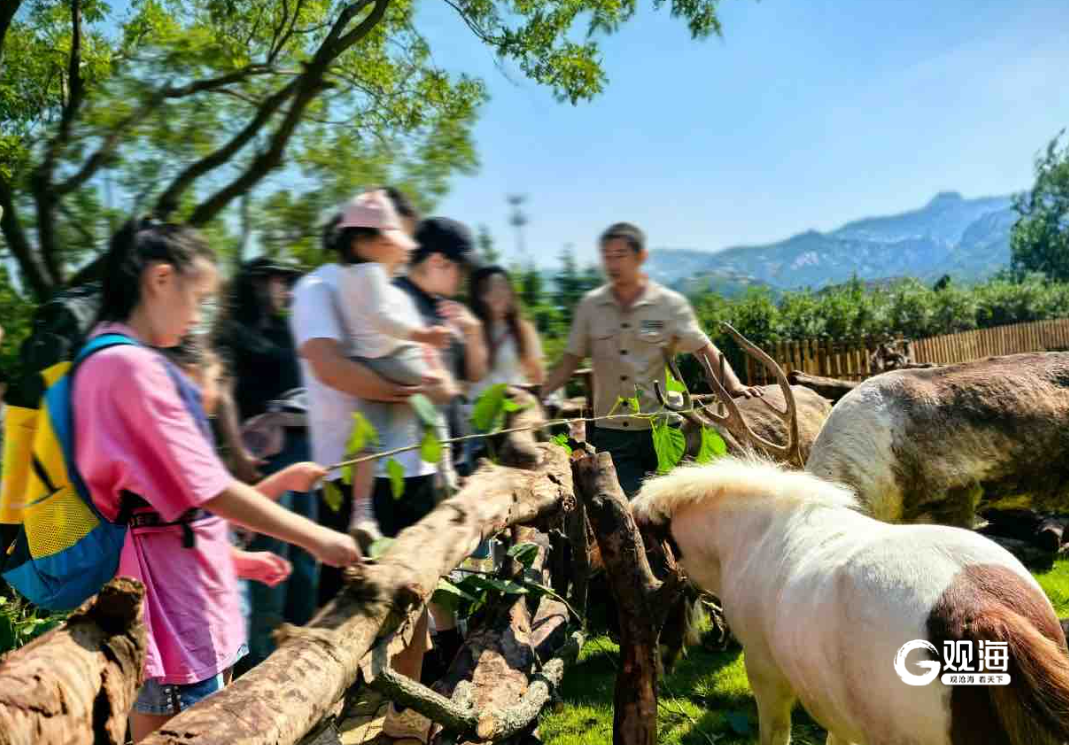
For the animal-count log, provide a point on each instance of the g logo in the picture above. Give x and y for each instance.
(931, 666)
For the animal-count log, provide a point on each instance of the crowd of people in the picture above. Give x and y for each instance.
(233, 538)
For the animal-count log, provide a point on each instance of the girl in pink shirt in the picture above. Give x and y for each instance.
(142, 441)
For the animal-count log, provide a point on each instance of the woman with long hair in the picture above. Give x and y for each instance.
(254, 338)
(515, 351)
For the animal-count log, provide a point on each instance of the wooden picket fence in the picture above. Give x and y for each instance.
(849, 359)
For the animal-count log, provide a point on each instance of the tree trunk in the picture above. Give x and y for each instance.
(78, 682)
(642, 602)
(283, 698)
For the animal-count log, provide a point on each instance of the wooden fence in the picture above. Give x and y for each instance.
(849, 359)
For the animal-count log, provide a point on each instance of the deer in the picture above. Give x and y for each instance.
(783, 412)
(940, 445)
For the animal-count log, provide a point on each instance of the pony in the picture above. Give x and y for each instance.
(823, 597)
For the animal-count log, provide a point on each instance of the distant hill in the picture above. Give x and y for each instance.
(966, 238)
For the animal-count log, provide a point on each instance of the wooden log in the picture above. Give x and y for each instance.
(642, 602)
(283, 698)
(520, 449)
(496, 725)
(579, 544)
(77, 683)
(829, 388)
(498, 653)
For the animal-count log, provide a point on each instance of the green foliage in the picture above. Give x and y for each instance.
(430, 448)
(670, 445)
(525, 553)
(16, 315)
(362, 435)
(488, 413)
(562, 440)
(1040, 238)
(396, 473)
(379, 547)
(21, 622)
(332, 495)
(712, 446)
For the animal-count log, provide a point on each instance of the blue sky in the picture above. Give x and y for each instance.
(806, 114)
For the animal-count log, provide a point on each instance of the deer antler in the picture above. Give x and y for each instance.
(686, 409)
(789, 452)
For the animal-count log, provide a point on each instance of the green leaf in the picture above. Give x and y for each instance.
(332, 495)
(525, 553)
(670, 382)
(506, 586)
(562, 440)
(430, 449)
(670, 445)
(511, 407)
(448, 595)
(712, 447)
(425, 409)
(396, 472)
(633, 404)
(489, 408)
(362, 434)
(379, 547)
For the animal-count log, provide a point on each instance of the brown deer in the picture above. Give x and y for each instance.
(940, 444)
(794, 414)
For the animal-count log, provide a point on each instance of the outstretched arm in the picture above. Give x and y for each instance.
(731, 381)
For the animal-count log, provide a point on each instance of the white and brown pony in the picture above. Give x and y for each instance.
(822, 597)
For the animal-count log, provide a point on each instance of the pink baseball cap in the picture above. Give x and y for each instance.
(373, 209)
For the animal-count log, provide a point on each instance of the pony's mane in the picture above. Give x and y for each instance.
(735, 477)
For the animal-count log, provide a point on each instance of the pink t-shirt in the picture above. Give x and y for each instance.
(133, 433)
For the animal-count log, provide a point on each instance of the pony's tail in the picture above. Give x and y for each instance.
(1034, 707)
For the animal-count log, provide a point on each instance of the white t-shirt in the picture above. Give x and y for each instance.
(315, 312)
(379, 316)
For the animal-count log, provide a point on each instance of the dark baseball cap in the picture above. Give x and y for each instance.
(448, 237)
(265, 266)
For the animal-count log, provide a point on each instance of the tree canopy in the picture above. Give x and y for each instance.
(1040, 239)
(188, 109)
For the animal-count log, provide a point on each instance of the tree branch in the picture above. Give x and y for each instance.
(32, 272)
(74, 74)
(168, 201)
(307, 88)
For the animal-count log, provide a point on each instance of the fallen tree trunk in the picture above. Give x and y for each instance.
(830, 388)
(642, 601)
(78, 682)
(283, 698)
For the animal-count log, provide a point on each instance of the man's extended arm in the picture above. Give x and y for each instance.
(560, 375)
(731, 381)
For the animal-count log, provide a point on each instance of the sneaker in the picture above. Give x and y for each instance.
(406, 725)
(363, 526)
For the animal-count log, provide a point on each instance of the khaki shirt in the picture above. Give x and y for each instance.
(626, 346)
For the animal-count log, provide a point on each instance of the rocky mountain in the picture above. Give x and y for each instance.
(966, 238)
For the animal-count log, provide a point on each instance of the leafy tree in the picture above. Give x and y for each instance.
(485, 243)
(183, 107)
(1040, 238)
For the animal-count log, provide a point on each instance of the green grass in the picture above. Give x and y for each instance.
(706, 699)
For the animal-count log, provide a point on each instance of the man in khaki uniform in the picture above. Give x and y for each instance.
(624, 327)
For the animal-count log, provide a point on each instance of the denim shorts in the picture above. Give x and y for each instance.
(168, 699)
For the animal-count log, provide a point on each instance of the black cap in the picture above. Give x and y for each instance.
(444, 236)
(265, 266)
